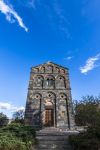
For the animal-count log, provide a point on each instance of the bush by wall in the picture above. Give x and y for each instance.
(17, 137)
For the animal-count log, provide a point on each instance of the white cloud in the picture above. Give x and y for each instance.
(63, 20)
(68, 58)
(10, 107)
(90, 64)
(11, 14)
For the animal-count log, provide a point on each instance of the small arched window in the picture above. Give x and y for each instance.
(49, 82)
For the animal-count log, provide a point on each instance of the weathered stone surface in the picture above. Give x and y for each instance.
(49, 101)
(53, 139)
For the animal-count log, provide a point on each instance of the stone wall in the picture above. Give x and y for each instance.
(49, 86)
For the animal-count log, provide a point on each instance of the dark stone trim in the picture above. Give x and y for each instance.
(68, 118)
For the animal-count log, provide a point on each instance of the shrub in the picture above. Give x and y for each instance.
(87, 113)
(17, 135)
(89, 140)
(10, 142)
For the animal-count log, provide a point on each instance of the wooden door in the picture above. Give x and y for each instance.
(49, 119)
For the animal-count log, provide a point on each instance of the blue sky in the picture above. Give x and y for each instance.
(36, 31)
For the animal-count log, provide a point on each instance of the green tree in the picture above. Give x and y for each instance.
(87, 111)
(88, 140)
(18, 116)
(3, 120)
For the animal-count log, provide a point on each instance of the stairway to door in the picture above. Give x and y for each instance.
(51, 138)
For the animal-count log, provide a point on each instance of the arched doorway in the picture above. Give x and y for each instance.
(49, 116)
(49, 110)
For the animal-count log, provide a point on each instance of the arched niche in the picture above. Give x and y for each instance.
(49, 113)
(63, 108)
(49, 69)
(42, 69)
(62, 71)
(49, 82)
(36, 101)
(60, 82)
(56, 69)
(62, 97)
(36, 108)
(38, 81)
(37, 96)
(35, 70)
(50, 97)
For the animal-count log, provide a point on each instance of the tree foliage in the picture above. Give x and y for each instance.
(18, 116)
(88, 140)
(16, 136)
(10, 142)
(87, 111)
(3, 120)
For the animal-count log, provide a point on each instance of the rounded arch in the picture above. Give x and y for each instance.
(38, 81)
(60, 81)
(36, 101)
(62, 96)
(62, 71)
(37, 96)
(50, 108)
(51, 94)
(50, 100)
(42, 69)
(50, 77)
(49, 69)
(49, 81)
(60, 77)
(35, 70)
(38, 77)
(56, 69)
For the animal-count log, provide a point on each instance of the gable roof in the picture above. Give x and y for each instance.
(50, 63)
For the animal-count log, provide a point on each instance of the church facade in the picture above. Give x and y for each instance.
(49, 101)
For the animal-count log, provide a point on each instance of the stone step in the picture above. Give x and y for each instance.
(51, 129)
(56, 130)
(53, 145)
(55, 133)
(52, 138)
(51, 142)
(42, 148)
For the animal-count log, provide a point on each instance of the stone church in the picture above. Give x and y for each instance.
(49, 101)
